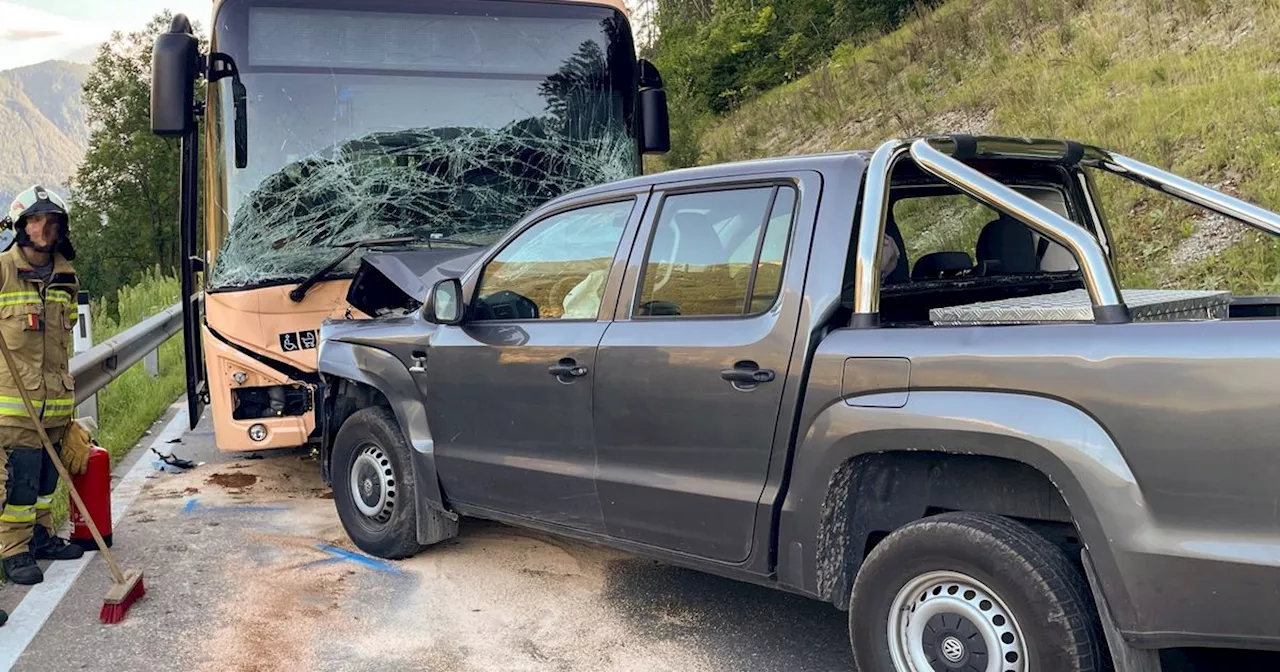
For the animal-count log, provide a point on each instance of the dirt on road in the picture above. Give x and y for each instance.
(496, 598)
(249, 568)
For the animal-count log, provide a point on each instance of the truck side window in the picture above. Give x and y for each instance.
(949, 233)
(555, 269)
(706, 254)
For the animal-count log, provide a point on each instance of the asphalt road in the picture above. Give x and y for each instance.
(247, 568)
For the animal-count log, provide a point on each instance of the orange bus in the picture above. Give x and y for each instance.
(336, 127)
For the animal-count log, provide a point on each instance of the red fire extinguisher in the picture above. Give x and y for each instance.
(94, 486)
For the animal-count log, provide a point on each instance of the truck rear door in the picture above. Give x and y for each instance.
(690, 375)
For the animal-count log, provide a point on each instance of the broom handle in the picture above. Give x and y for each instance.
(57, 462)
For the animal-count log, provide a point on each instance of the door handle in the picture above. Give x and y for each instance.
(567, 368)
(748, 373)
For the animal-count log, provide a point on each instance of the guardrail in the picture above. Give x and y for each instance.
(99, 364)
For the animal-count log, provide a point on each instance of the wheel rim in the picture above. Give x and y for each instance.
(373, 483)
(948, 622)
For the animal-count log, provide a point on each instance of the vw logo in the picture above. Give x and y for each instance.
(368, 486)
(952, 649)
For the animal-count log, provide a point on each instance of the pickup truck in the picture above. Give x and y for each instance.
(993, 457)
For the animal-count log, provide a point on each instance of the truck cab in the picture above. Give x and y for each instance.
(987, 452)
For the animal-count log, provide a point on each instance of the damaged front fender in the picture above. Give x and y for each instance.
(364, 364)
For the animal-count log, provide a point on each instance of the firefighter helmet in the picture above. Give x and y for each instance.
(37, 200)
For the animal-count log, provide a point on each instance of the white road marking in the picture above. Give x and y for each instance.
(26, 621)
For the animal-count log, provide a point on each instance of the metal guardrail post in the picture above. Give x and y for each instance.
(82, 342)
(152, 363)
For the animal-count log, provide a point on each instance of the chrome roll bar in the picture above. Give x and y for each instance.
(875, 202)
(1186, 190)
(1099, 277)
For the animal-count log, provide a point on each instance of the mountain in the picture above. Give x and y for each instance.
(43, 133)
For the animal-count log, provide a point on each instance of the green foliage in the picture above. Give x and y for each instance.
(714, 57)
(130, 403)
(126, 190)
(1192, 87)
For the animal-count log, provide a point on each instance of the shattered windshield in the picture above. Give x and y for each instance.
(452, 121)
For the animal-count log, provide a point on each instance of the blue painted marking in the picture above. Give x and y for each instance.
(325, 561)
(193, 503)
(365, 560)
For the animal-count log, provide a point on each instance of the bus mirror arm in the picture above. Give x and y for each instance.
(222, 65)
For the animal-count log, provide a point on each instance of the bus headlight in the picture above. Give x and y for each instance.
(258, 432)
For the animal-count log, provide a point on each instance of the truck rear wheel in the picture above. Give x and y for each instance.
(373, 487)
(972, 593)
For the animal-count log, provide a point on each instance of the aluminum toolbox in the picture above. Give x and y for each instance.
(1074, 306)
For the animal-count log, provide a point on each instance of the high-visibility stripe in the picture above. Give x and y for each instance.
(52, 408)
(18, 514)
(18, 298)
(44, 503)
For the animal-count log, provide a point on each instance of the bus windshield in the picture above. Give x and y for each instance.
(445, 119)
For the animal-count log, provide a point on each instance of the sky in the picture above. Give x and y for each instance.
(32, 31)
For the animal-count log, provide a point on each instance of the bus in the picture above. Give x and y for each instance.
(336, 127)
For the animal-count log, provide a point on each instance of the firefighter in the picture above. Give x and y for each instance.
(38, 289)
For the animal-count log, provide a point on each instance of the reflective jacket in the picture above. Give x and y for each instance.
(36, 322)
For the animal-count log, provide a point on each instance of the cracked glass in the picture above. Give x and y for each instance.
(447, 123)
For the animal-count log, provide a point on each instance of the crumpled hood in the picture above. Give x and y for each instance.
(400, 280)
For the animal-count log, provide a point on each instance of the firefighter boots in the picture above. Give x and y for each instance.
(45, 546)
(22, 569)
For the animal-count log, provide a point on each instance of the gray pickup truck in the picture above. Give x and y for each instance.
(989, 454)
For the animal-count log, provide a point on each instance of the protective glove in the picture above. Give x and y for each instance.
(76, 445)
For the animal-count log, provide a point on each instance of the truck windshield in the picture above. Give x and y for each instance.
(384, 119)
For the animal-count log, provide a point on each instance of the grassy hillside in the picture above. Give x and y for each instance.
(1189, 85)
(42, 121)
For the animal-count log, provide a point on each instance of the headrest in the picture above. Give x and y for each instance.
(1009, 242)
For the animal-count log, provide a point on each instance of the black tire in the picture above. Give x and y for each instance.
(393, 533)
(1044, 593)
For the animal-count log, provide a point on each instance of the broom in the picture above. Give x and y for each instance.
(128, 587)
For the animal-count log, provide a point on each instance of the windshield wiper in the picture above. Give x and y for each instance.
(297, 293)
(453, 241)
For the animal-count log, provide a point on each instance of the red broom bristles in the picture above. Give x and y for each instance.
(113, 611)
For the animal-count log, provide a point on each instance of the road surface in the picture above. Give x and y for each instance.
(247, 568)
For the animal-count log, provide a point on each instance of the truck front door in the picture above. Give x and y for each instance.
(509, 391)
(691, 373)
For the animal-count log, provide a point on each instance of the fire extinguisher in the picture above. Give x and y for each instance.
(94, 486)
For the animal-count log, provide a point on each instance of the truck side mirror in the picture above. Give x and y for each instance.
(655, 122)
(444, 303)
(174, 65)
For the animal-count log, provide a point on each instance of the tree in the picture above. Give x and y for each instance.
(126, 189)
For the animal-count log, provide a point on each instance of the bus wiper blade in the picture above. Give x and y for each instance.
(454, 241)
(297, 293)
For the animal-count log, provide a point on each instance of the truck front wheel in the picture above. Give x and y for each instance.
(373, 487)
(972, 593)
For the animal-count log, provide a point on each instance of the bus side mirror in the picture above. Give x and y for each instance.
(174, 65)
(444, 303)
(655, 122)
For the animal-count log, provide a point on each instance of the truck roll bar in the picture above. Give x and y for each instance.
(1099, 277)
(1184, 189)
